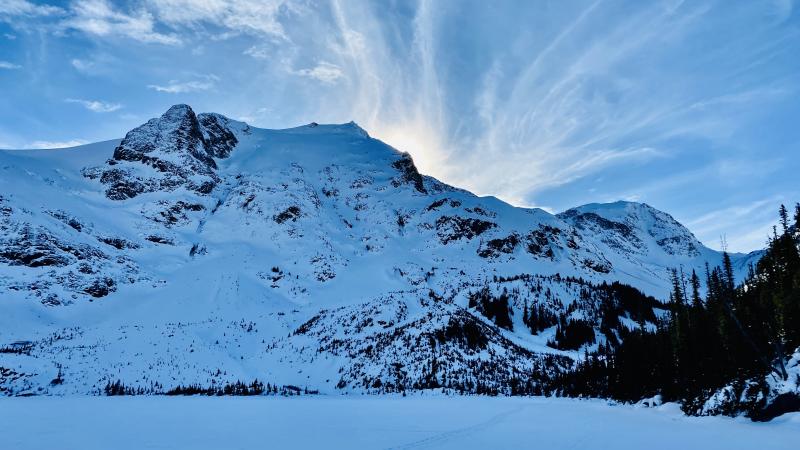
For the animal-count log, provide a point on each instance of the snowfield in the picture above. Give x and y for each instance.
(200, 254)
(202, 251)
(348, 422)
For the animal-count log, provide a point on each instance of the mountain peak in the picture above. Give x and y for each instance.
(178, 109)
(636, 223)
(326, 246)
(624, 212)
(619, 207)
(176, 149)
(179, 118)
(357, 129)
(176, 131)
(349, 128)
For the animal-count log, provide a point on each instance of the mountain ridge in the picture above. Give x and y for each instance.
(200, 250)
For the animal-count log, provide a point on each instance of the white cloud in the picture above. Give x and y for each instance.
(26, 8)
(393, 92)
(713, 220)
(55, 144)
(95, 105)
(745, 97)
(99, 63)
(253, 116)
(242, 16)
(512, 113)
(99, 18)
(168, 22)
(324, 71)
(177, 87)
(584, 91)
(258, 52)
(745, 227)
(9, 66)
(82, 65)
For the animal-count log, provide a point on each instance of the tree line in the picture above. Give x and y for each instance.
(716, 334)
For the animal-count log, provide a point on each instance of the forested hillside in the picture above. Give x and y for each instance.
(723, 349)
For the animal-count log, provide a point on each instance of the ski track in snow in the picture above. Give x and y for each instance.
(461, 432)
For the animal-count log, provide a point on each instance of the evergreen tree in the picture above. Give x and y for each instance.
(697, 302)
(734, 334)
(784, 215)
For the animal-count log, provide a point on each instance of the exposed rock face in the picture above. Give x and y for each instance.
(177, 132)
(33, 249)
(179, 147)
(443, 348)
(217, 134)
(453, 228)
(314, 249)
(409, 172)
(626, 226)
(495, 247)
(60, 264)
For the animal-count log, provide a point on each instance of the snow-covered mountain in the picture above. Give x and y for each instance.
(201, 250)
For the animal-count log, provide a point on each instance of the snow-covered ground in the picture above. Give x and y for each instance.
(333, 422)
(200, 250)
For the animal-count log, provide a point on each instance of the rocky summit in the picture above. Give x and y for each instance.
(201, 251)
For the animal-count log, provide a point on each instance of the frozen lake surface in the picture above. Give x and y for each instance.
(197, 423)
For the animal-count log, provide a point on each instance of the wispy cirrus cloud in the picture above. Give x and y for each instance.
(100, 18)
(260, 17)
(555, 105)
(54, 144)
(95, 105)
(741, 226)
(324, 72)
(258, 51)
(163, 21)
(82, 65)
(592, 100)
(98, 64)
(29, 9)
(179, 87)
(9, 65)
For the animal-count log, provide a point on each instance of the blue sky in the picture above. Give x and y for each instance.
(690, 106)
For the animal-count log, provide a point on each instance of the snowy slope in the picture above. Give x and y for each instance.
(200, 250)
(371, 422)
